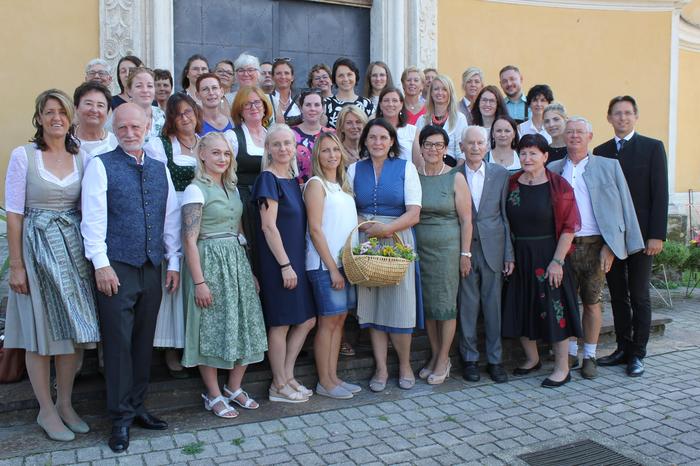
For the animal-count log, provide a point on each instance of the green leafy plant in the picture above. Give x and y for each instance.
(193, 448)
(373, 247)
(383, 418)
(238, 441)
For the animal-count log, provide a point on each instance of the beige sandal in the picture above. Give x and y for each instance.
(286, 394)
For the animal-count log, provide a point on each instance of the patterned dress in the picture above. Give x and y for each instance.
(531, 307)
(231, 331)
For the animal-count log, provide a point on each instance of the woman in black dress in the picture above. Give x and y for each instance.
(540, 302)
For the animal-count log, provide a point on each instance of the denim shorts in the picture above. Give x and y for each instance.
(329, 301)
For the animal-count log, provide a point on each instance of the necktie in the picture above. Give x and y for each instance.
(620, 145)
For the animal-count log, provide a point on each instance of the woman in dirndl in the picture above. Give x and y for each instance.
(388, 192)
(51, 305)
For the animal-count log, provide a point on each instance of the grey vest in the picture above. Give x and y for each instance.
(136, 202)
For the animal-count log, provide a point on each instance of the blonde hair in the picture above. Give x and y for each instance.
(267, 157)
(340, 176)
(229, 177)
(558, 108)
(472, 71)
(413, 69)
(451, 106)
(343, 115)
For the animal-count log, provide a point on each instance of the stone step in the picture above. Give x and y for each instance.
(166, 393)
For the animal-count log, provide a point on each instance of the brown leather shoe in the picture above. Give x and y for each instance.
(589, 370)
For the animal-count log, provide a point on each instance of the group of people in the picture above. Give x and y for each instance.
(211, 221)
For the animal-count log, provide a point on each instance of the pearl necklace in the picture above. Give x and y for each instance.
(425, 173)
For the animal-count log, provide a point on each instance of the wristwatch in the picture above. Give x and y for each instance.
(465, 254)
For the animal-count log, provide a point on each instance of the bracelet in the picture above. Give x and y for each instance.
(557, 261)
(288, 264)
(465, 254)
(200, 283)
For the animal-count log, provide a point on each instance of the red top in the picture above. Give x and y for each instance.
(413, 117)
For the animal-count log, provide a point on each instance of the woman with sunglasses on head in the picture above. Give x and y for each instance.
(308, 130)
(345, 76)
(392, 109)
(284, 109)
(175, 147)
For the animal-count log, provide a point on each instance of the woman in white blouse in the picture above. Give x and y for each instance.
(392, 109)
(141, 88)
(93, 102)
(441, 110)
(504, 140)
(51, 304)
(538, 97)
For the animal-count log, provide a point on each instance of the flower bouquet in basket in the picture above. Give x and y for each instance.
(375, 263)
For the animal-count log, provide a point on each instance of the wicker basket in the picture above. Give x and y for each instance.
(373, 271)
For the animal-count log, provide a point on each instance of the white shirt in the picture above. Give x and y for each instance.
(412, 191)
(100, 146)
(475, 179)
(155, 149)
(454, 132)
(94, 224)
(574, 175)
(406, 134)
(292, 111)
(626, 138)
(513, 166)
(250, 145)
(16, 179)
(528, 127)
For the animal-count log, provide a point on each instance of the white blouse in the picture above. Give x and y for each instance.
(406, 135)
(250, 145)
(514, 166)
(100, 146)
(454, 132)
(16, 179)
(412, 192)
(154, 149)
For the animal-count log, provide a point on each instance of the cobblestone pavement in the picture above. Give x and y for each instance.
(654, 419)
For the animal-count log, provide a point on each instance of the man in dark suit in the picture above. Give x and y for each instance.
(643, 161)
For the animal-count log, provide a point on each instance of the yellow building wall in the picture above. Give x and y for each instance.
(45, 44)
(586, 56)
(687, 151)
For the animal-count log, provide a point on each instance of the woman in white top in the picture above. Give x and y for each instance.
(141, 88)
(92, 104)
(377, 78)
(538, 97)
(441, 110)
(392, 109)
(175, 147)
(284, 108)
(51, 303)
(331, 216)
(504, 140)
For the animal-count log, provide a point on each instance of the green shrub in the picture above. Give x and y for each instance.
(692, 262)
(674, 256)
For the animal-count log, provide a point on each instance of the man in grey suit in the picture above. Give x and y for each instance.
(609, 229)
(491, 257)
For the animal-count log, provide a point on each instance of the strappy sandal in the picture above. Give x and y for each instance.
(233, 397)
(286, 394)
(227, 412)
(307, 392)
(346, 349)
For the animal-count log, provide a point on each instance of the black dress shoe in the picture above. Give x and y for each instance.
(635, 367)
(497, 373)
(119, 440)
(615, 359)
(150, 422)
(549, 383)
(471, 371)
(522, 371)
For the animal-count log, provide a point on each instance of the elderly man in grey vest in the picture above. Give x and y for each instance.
(131, 221)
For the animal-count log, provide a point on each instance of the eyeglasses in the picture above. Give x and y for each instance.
(246, 70)
(96, 73)
(189, 113)
(488, 101)
(224, 73)
(281, 59)
(434, 145)
(256, 103)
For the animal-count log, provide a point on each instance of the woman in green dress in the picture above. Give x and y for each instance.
(444, 236)
(225, 327)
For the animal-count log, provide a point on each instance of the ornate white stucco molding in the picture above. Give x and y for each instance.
(137, 27)
(612, 5)
(423, 35)
(689, 36)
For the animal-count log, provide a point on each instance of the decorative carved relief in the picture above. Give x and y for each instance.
(117, 32)
(427, 33)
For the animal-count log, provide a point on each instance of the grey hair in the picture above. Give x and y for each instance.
(97, 61)
(267, 156)
(246, 59)
(480, 129)
(471, 71)
(576, 119)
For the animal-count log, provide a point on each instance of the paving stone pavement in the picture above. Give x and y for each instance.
(654, 419)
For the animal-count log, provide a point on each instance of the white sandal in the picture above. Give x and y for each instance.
(227, 413)
(286, 394)
(233, 397)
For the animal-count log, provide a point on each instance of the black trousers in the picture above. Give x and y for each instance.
(127, 324)
(628, 281)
